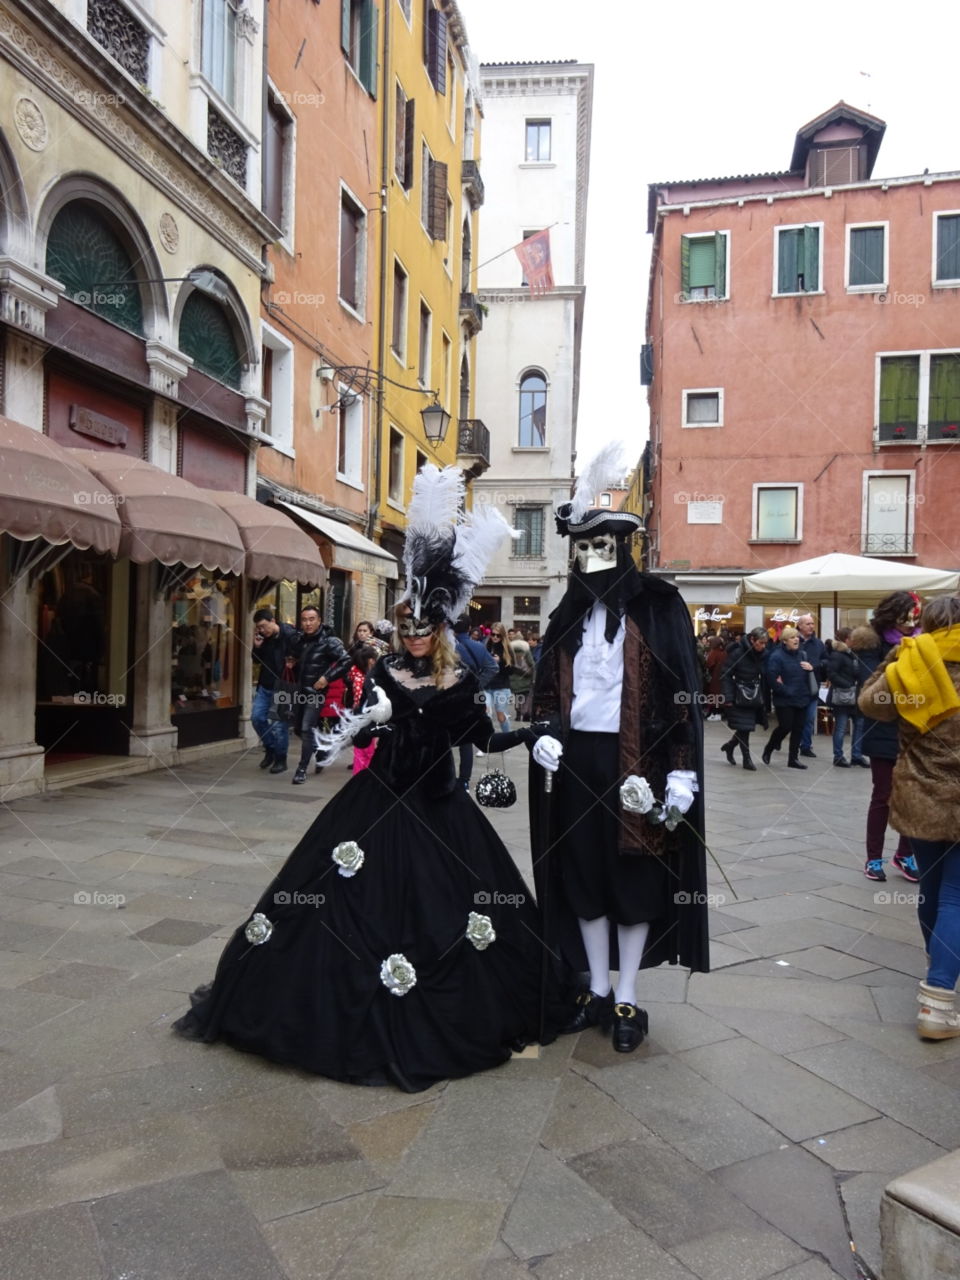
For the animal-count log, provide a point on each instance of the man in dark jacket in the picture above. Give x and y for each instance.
(812, 650)
(274, 643)
(321, 660)
(617, 679)
(477, 658)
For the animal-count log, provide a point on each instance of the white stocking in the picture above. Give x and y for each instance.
(596, 943)
(631, 939)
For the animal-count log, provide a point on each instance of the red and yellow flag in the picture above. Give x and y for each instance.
(534, 255)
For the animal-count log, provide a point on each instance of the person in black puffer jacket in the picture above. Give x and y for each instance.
(321, 660)
(787, 672)
(842, 671)
(895, 616)
(746, 694)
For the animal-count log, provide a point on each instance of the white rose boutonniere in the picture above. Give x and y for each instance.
(636, 795)
(349, 857)
(258, 929)
(480, 930)
(398, 975)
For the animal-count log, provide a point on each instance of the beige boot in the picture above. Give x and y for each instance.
(938, 1018)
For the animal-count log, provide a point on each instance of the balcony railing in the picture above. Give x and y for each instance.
(473, 445)
(472, 183)
(888, 544)
(471, 312)
(893, 431)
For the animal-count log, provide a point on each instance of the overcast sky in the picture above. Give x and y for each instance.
(704, 90)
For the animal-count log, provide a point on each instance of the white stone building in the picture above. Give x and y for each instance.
(536, 161)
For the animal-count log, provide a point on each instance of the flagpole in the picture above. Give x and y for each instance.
(504, 252)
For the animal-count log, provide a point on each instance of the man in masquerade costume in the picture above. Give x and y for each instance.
(616, 682)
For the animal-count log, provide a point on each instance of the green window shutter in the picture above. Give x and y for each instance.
(206, 335)
(720, 263)
(811, 259)
(866, 255)
(899, 392)
(409, 137)
(437, 214)
(345, 26)
(702, 260)
(368, 48)
(948, 248)
(788, 244)
(944, 390)
(684, 265)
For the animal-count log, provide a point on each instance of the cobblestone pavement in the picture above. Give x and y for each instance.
(749, 1137)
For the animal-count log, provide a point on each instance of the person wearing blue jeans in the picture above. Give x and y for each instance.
(918, 689)
(273, 643)
(812, 650)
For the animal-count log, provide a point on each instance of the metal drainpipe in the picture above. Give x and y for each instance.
(374, 512)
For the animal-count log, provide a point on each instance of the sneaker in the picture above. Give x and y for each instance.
(907, 867)
(874, 869)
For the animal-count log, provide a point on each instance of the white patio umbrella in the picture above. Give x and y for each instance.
(840, 579)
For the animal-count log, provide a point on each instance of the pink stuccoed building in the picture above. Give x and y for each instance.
(803, 368)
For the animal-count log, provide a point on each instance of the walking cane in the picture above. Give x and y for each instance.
(545, 905)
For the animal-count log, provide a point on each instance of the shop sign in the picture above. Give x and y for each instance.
(87, 423)
(711, 615)
(778, 615)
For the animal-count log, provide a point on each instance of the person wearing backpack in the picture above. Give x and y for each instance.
(478, 659)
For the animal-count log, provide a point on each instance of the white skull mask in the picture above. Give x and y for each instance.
(596, 553)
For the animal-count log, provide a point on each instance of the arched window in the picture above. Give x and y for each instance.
(207, 336)
(87, 255)
(464, 390)
(533, 410)
(465, 258)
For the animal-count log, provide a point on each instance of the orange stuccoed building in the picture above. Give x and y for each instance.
(803, 363)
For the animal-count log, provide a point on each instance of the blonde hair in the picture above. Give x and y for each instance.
(443, 653)
(508, 655)
(788, 633)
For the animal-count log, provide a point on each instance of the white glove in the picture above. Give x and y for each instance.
(547, 752)
(681, 786)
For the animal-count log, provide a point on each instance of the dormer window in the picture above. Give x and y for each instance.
(834, 166)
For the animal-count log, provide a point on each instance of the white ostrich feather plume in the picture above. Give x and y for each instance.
(600, 472)
(480, 533)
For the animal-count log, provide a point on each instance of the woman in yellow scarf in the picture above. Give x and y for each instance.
(919, 687)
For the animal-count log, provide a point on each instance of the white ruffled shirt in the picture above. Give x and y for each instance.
(598, 676)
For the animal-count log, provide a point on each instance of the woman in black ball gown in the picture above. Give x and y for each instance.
(399, 942)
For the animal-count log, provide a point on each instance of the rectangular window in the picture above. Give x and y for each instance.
(538, 141)
(798, 259)
(887, 526)
(278, 387)
(278, 167)
(703, 408)
(777, 513)
(526, 606)
(353, 220)
(423, 357)
(899, 397)
(445, 350)
(421, 461)
(350, 437)
(946, 265)
(866, 257)
(435, 47)
(834, 166)
(529, 520)
(944, 417)
(398, 340)
(703, 266)
(358, 39)
(395, 467)
(433, 195)
(404, 139)
(218, 51)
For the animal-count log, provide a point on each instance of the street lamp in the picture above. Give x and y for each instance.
(436, 420)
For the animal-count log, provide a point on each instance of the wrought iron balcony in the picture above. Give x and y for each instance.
(473, 447)
(888, 544)
(472, 183)
(471, 312)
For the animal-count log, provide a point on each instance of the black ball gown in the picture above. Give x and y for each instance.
(399, 943)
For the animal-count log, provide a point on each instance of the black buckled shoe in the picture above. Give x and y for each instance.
(630, 1025)
(592, 1011)
(267, 761)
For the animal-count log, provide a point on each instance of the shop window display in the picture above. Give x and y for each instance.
(73, 627)
(204, 645)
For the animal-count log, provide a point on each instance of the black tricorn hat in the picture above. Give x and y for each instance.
(596, 520)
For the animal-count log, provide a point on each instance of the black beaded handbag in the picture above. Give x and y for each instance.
(495, 790)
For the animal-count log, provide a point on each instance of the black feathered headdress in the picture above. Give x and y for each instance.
(447, 549)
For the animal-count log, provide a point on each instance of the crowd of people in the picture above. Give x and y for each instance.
(895, 684)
